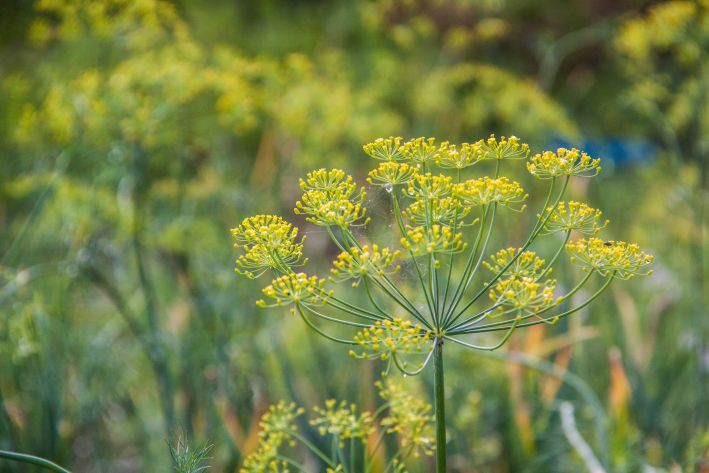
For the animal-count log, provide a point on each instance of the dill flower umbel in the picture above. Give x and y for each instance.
(515, 265)
(402, 416)
(386, 149)
(268, 241)
(331, 198)
(357, 263)
(548, 165)
(389, 174)
(342, 421)
(419, 150)
(436, 239)
(575, 216)
(276, 426)
(504, 148)
(428, 186)
(523, 293)
(443, 211)
(409, 417)
(483, 191)
(295, 289)
(388, 337)
(449, 156)
(616, 259)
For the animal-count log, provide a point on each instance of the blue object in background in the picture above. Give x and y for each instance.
(621, 152)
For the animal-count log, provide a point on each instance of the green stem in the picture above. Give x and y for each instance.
(472, 270)
(401, 300)
(293, 463)
(329, 337)
(537, 229)
(555, 257)
(471, 258)
(310, 446)
(440, 402)
(400, 222)
(450, 259)
(497, 326)
(32, 460)
(465, 325)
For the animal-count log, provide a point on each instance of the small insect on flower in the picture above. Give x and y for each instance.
(548, 165)
(268, 241)
(577, 216)
(616, 259)
(295, 289)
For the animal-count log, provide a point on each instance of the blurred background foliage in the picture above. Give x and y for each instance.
(135, 133)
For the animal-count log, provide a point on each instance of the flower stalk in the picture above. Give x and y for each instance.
(32, 460)
(440, 406)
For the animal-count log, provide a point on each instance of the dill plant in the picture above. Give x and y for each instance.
(356, 438)
(446, 220)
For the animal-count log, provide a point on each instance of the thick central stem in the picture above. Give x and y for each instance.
(440, 402)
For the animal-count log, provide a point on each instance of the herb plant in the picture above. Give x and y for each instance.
(446, 221)
(349, 431)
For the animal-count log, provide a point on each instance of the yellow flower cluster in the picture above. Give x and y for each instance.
(451, 157)
(485, 190)
(331, 198)
(342, 421)
(504, 148)
(442, 211)
(610, 258)
(419, 150)
(548, 165)
(427, 186)
(576, 216)
(295, 289)
(523, 293)
(409, 417)
(276, 426)
(387, 337)
(268, 241)
(358, 263)
(138, 24)
(424, 150)
(333, 181)
(137, 101)
(527, 265)
(389, 174)
(436, 239)
(669, 27)
(386, 149)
